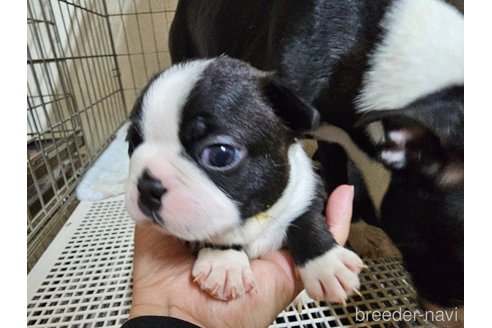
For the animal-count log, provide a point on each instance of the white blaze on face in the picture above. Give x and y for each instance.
(422, 51)
(193, 207)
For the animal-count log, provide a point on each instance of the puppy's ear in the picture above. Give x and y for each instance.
(133, 137)
(297, 114)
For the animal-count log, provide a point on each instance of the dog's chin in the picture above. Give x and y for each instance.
(187, 220)
(186, 233)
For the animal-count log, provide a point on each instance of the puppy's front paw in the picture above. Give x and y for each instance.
(394, 153)
(332, 276)
(224, 274)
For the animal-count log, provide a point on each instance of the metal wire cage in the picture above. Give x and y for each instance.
(87, 281)
(86, 61)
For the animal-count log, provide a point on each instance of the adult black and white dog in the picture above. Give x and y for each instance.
(390, 73)
(215, 161)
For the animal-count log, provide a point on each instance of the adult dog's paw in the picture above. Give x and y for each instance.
(224, 274)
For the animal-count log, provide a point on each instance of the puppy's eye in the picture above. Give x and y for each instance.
(221, 156)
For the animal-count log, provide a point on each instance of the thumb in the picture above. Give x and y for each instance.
(339, 212)
(339, 215)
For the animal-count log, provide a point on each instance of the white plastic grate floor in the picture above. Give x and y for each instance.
(84, 280)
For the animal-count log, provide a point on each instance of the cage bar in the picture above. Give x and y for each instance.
(83, 76)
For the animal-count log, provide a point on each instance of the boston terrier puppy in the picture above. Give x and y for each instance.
(422, 210)
(388, 72)
(214, 161)
(343, 57)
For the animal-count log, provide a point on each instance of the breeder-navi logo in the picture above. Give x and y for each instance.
(406, 315)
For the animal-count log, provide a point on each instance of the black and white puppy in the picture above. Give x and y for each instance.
(215, 161)
(345, 58)
(422, 210)
(389, 72)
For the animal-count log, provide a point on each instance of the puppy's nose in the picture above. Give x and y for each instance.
(151, 191)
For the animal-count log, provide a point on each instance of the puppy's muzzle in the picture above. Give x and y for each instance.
(151, 191)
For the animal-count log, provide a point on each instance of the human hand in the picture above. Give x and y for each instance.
(162, 284)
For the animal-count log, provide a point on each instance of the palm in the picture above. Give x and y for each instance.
(162, 282)
(162, 272)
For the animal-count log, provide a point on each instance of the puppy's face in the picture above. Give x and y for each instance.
(209, 148)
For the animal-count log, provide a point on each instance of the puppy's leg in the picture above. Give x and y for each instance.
(329, 271)
(224, 274)
(367, 240)
(337, 168)
(371, 241)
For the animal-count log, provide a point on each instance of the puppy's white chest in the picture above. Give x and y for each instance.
(271, 239)
(266, 231)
